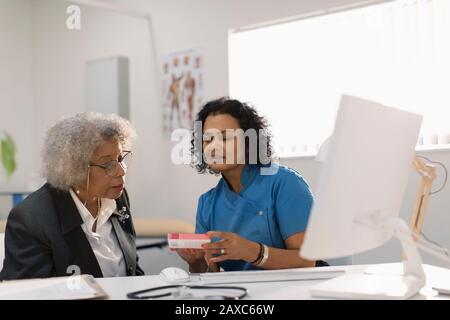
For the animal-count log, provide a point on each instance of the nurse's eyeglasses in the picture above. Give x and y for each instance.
(112, 167)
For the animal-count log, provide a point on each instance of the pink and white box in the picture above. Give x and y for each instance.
(187, 240)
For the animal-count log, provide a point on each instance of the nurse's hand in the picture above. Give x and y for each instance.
(231, 247)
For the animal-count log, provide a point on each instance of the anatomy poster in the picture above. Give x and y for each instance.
(183, 89)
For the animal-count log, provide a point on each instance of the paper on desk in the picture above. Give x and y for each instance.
(60, 288)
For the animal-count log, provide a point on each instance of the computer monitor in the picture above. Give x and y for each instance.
(359, 196)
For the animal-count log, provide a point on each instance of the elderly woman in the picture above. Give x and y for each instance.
(79, 221)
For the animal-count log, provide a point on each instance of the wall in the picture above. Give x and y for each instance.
(16, 90)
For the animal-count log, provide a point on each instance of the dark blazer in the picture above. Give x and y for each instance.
(43, 238)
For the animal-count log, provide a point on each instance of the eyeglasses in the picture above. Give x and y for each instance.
(112, 167)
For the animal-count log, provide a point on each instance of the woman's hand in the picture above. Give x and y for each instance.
(230, 247)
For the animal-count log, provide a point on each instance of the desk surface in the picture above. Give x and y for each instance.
(117, 288)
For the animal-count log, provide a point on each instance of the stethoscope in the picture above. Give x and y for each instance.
(181, 290)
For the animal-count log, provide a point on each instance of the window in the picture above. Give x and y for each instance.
(396, 53)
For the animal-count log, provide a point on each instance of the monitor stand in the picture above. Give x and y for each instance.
(379, 285)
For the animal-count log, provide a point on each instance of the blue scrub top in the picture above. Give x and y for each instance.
(269, 209)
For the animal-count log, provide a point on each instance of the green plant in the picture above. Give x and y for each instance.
(8, 154)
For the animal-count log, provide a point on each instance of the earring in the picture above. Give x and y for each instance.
(77, 191)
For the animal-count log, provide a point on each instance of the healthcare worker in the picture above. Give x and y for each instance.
(258, 212)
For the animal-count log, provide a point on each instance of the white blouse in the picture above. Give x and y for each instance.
(103, 242)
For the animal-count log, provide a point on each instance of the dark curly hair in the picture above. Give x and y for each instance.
(248, 119)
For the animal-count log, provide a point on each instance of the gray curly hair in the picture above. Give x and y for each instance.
(71, 142)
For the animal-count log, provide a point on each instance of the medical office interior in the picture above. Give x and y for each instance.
(289, 58)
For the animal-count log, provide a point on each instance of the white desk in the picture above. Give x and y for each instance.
(117, 288)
